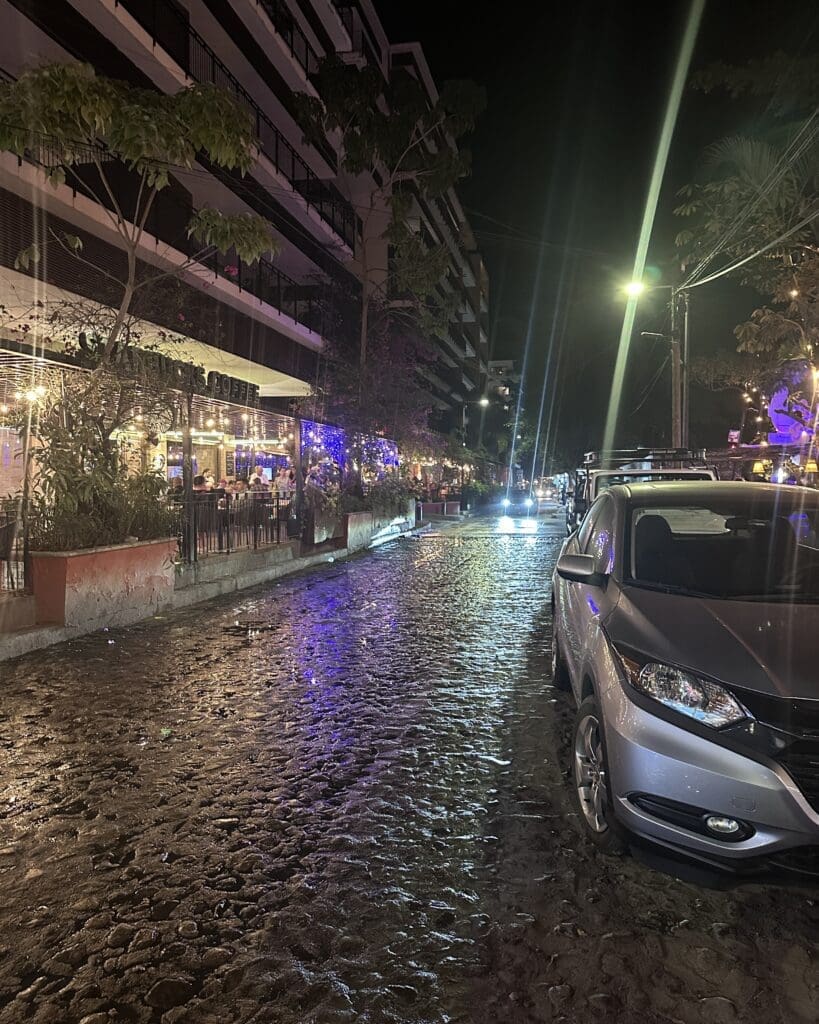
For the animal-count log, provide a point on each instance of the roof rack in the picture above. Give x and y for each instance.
(620, 456)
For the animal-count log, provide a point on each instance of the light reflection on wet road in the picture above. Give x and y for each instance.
(347, 807)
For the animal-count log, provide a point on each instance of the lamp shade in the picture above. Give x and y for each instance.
(759, 467)
(811, 467)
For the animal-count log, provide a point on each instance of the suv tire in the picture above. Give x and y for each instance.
(590, 781)
(560, 671)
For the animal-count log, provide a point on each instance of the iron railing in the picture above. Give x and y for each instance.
(285, 24)
(212, 525)
(169, 27)
(14, 560)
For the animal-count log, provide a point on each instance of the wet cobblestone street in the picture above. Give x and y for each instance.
(342, 798)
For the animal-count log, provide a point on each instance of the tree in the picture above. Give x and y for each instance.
(86, 127)
(387, 396)
(118, 144)
(395, 144)
(755, 214)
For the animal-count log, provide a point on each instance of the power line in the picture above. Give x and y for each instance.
(760, 252)
(783, 164)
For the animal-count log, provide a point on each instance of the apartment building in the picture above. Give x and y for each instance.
(262, 324)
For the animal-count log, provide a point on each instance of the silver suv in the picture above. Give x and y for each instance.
(686, 618)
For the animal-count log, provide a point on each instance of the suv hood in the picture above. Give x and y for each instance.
(770, 648)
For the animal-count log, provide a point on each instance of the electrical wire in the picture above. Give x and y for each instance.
(650, 386)
(747, 259)
(783, 164)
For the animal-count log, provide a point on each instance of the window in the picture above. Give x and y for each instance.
(586, 527)
(731, 549)
(601, 538)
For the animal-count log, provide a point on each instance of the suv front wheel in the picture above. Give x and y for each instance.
(590, 780)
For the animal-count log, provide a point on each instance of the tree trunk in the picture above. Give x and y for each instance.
(365, 325)
(124, 308)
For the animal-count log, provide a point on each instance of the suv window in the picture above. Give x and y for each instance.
(600, 539)
(586, 527)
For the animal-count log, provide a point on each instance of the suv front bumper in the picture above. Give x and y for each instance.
(656, 758)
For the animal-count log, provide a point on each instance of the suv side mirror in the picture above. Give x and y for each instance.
(580, 569)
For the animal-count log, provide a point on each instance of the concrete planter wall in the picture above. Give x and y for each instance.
(103, 586)
(322, 527)
(362, 529)
(358, 530)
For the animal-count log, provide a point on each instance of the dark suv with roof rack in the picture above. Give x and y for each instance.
(604, 469)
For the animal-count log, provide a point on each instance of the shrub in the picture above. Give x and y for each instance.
(388, 496)
(133, 507)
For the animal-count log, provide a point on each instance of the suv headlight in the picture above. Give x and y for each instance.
(684, 692)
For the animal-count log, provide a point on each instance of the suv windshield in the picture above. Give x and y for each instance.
(742, 551)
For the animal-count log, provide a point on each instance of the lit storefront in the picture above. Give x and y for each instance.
(329, 453)
(228, 440)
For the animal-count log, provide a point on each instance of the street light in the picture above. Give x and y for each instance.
(484, 401)
(634, 288)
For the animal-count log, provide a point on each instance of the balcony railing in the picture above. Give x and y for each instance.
(169, 27)
(168, 223)
(285, 24)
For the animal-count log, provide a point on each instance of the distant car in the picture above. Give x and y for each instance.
(518, 502)
(685, 624)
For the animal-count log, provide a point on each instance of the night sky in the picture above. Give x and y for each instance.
(563, 153)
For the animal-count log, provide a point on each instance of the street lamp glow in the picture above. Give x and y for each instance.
(634, 288)
(483, 401)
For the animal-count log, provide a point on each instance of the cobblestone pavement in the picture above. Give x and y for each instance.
(342, 798)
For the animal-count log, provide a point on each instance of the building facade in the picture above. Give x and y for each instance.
(263, 324)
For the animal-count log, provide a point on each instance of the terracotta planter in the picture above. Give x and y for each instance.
(103, 586)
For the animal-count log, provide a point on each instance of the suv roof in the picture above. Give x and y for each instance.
(610, 458)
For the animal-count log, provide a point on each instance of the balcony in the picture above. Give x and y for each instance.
(168, 26)
(301, 51)
(361, 40)
(170, 215)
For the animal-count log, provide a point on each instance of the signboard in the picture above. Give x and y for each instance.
(187, 377)
(733, 436)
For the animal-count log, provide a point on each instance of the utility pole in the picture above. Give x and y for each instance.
(676, 378)
(686, 380)
(679, 359)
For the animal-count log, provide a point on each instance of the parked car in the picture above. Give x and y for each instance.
(601, 470)
(686, 618)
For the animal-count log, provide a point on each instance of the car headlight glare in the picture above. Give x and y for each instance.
(506, 503)
(685, 693)
(528, 503)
